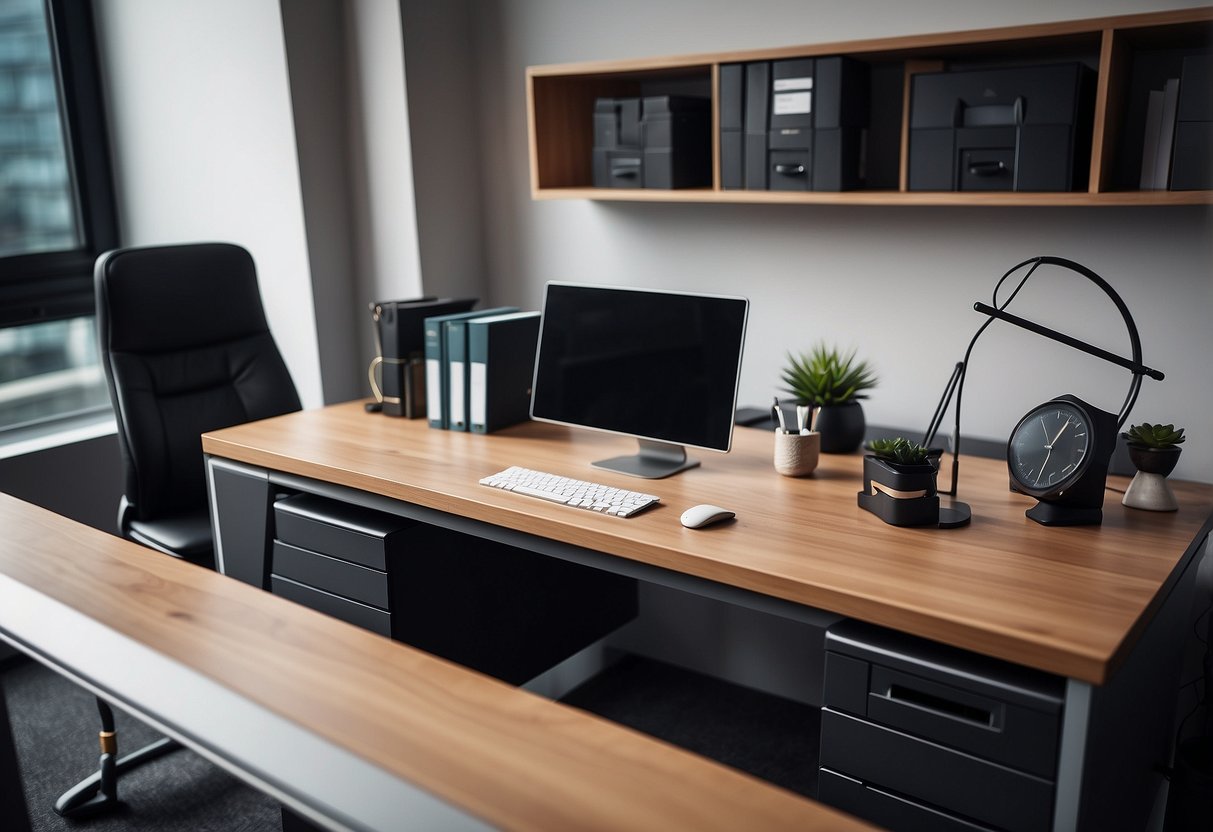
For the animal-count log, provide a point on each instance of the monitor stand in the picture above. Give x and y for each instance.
(654, 461)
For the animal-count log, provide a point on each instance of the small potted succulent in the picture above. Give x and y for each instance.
(1154, 450)
(833, 382)
(899, 483)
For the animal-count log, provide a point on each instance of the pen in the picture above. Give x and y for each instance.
(778, 411)
(802, 418)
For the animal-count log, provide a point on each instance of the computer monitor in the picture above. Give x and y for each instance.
(661, 366)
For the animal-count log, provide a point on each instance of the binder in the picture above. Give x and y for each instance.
(757, 101)
(400, 342)
(437, 365)
(732, 126)
(501, 360)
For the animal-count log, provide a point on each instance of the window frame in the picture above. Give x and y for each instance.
(54, 285)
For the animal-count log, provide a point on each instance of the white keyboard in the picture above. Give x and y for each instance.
(576, 493)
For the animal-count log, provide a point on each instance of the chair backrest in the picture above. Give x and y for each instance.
(186, 349)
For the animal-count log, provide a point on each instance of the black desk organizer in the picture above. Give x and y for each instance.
(495, 608)
(919, 735)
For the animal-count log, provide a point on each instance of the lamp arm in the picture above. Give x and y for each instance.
(1137, 368)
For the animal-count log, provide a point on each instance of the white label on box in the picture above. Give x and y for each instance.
(793, 103)
(785, 84)
(433, 391)
(477, 393)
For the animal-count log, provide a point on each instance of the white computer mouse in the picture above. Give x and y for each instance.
(696, 517)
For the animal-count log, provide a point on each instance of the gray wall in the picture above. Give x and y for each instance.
(897, 283)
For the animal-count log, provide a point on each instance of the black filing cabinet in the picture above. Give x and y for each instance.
(496, 608)
(919, 736)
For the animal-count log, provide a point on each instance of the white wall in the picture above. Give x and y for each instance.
(203, 146)
(897, 283)
(384, 211)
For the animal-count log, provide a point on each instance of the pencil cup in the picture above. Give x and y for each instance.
(796, 453)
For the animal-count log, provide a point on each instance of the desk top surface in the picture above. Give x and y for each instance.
(501, 754)
(1070, 601)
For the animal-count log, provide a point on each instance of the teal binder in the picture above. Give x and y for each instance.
(437, 364)
(501, 360)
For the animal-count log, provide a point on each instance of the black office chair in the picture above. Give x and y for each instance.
(186, 349)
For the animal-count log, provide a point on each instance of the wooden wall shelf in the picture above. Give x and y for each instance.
(1126, 52)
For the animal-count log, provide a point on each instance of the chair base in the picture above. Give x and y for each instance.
(98, 792)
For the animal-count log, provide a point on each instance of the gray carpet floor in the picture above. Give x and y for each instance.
(55, 727)
(767, 736)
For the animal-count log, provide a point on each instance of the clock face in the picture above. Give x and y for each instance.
(1048, 449)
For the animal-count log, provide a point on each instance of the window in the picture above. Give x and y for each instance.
(56, 211)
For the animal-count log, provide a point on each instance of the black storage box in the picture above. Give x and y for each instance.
(1014, 129)
(1192, 161)
(794, 125)
(677, 136)
(660, 141)
(618, 156)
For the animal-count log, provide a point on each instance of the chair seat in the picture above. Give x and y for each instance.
(186, 536)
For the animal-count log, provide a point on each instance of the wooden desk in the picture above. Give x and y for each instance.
(337, 722)
(1069, 601)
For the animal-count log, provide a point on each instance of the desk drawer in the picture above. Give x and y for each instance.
(981, 706)
(349, 580)
(340, 530)
(889, 810)
(362, 615)
(951, 780)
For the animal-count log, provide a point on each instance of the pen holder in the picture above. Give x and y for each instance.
(796, 453)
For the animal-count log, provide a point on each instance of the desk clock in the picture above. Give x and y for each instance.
(1059, 453)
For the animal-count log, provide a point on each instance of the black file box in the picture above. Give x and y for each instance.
(840, 124)
(790, 137)
(1192, 160)
(655, 142)
(732, 126)
(1010, 129)
(618, 160)
(916, 734)
(757, 109)
(677, 139)
(805, 124)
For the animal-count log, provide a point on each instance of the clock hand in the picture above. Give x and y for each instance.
(1060, 432)
(1044, 465)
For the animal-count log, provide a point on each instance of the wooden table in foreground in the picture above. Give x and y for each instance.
(1103, 609)
(354, 730)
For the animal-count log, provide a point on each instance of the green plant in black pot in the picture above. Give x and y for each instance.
(1154, 448)
(899, 451)
(899, 483)
(833, 382)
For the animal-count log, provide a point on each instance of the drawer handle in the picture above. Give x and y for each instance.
(939, 705)
(990, 168)
(789, 170)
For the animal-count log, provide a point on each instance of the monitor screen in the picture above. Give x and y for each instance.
(661, 366)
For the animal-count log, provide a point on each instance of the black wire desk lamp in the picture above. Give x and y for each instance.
(1059, 451)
